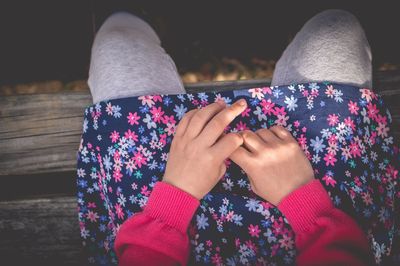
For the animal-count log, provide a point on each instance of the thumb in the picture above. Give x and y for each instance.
(227, 144)
(241, 157)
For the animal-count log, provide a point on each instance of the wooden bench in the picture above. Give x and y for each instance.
(39, 138)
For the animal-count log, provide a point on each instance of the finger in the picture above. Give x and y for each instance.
(226, 145)
(267, 135)
(220, 121)
(181, 128)
(241, 157)
(252, 141)
(281, 132)
(200, 119)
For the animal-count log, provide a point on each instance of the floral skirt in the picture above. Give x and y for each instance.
(344, 131)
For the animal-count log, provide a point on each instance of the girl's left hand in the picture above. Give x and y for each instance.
(196, 158)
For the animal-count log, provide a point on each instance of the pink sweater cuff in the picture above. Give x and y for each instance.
(171, 205)
(303, 206)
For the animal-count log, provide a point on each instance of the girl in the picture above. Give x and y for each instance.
(172, 177)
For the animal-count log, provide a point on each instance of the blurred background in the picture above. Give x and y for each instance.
(45, 45)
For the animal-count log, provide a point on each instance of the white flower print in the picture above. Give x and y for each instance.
(317, 144)
(201, 221)
(291, 103)
(180, 111)
(150, 123)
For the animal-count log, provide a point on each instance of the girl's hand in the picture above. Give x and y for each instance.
(274, 163)
(196, 158)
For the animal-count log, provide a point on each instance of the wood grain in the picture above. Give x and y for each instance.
(42, 231)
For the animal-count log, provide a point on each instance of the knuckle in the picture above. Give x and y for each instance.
(236, 138)
(262, 131)
(246, 133)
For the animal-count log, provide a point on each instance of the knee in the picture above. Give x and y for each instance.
(122, 25)
(336, 22)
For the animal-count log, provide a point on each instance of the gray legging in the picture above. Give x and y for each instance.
(128, 60)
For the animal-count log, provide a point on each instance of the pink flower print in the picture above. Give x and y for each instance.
(130, 165)
(251, 245)
(266, 90)
(131, 135)
(330, 91)
(314, 93)
(353, 108)
(133, 118)
(305, 93)
(346, 153)
(163, 139)
(109, 109)
(333, 119)
(170, 129)
(329, 181)
(302, 140)
(139, 159)
(254, 231)
(257, 92)
(91, 205)
(246, 112)
(92, 216)
(391, 171)
(367, 94)
(145, 191)
(209, 243)
(332, 139)
(147, 99)
(157, 114)
(355, 149)
(117, 175)
(286, 242)
(296, 123)
(267, 106)
(237, 242)
(281, 120)
(367, 198)
(216, 259)
(381, 119)
(274, 249)
(169, 119)
(157, 98)
(372, 111)
(349, 122)
(195, 102)
(229, 216)
(330, 159)
(382, 130)
(114, 136)
(119, 211)
(241, 126)
(279, 111)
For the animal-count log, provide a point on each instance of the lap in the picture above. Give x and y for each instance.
(343, 130)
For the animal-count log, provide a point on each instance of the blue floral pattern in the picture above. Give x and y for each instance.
(343, 130)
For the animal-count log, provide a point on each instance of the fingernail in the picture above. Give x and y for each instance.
(241, 102)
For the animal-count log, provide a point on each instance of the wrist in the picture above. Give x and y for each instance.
(171, 205)
(304, 205)
(184, 188)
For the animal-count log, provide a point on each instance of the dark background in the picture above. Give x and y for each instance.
(43, 40)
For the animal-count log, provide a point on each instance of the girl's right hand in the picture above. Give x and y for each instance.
(274, 163)
(199, 148)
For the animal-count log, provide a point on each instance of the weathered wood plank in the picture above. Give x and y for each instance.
(41, 231)
(40, 133)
